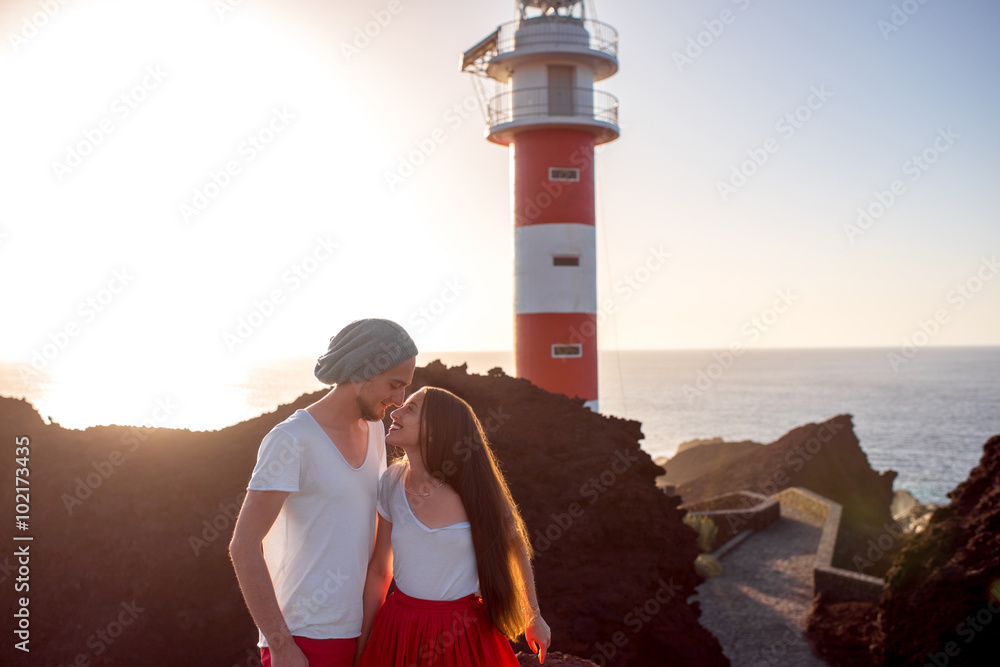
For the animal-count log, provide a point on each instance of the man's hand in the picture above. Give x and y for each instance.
(260, 509)
(289, 655)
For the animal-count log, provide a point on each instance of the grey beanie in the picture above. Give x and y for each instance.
(362, 350)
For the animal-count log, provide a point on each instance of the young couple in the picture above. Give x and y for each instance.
(314, 565)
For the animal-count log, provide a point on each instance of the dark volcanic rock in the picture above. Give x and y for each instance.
(841, 632)
(607, 541)
(553, 660)
(941, 604)
(697, 458)
(129, 563)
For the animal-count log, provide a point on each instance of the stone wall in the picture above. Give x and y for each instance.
(756, 512)
(835, 583)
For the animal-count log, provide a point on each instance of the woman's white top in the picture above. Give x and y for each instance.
(428, 563)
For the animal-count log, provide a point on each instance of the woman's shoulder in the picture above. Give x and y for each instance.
(392, 474)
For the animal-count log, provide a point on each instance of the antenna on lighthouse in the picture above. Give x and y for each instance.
(550, 8)
(535, 77)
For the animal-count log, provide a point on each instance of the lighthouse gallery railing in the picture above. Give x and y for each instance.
(551, 31)
(526, 103)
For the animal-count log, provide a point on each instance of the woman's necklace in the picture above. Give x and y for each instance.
(414, 493)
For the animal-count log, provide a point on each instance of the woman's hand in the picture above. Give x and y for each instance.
(538, 636)
(359, 649)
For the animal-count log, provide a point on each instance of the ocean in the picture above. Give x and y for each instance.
(926, 417)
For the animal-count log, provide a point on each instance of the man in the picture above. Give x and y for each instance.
(307, 527)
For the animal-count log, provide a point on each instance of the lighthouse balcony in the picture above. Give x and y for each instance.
(584, 40)
(546, 107)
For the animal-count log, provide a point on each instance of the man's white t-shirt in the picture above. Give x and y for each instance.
(427, 563)
(318, 549)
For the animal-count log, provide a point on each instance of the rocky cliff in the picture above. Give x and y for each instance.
(697, 458)
(941, 602)
(826, 458)
(941, 605)
(130, 526)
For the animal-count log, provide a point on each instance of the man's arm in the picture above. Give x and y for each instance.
(260, 509)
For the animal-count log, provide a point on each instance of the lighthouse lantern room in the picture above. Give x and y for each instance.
(535, 77)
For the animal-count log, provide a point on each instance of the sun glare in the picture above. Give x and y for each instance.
(175, 167)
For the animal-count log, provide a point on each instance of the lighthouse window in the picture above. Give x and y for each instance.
(567, 351)
(565, 260)
(561, 174)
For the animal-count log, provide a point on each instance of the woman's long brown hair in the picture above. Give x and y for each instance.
(455, 449)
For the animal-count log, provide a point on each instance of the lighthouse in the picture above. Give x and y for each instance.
(535, 77)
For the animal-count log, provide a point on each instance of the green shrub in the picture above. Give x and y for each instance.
(707, 530)
(707, 566)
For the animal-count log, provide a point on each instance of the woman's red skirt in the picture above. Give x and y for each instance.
(410, 632)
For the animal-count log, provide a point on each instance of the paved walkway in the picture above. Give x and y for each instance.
(757, 607)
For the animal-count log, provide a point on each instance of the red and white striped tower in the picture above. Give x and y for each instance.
(536, 77)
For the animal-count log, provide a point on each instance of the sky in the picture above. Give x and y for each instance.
(191, 187)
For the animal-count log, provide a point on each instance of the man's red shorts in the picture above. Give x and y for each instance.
(320, 652)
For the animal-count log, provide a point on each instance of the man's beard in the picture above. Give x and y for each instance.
(368, 413)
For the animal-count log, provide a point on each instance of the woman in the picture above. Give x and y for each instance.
(450, 534)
